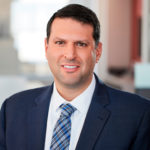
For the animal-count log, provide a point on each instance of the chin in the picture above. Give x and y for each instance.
(71, 83)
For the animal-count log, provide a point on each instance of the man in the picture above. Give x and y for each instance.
(99, 117)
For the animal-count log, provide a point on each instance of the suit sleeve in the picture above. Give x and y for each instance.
(2, 127)
(142, 140)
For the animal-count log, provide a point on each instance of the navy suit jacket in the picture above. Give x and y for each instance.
(116, 120)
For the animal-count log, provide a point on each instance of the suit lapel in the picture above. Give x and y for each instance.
(38, 119)
(96, 118)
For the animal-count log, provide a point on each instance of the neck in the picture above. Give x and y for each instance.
(73, 92)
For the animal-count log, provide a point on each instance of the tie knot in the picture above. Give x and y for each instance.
(67, 109)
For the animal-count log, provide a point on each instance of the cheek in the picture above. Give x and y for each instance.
(94, 57)
(50, 53)
(52, 62)
(87, 56)
(48, 56)
(53, 57)
(88, 60)
(91, 57)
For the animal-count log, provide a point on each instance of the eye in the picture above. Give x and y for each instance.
(81, 44)
(59, 42)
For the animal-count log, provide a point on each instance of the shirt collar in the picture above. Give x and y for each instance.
(81, 102)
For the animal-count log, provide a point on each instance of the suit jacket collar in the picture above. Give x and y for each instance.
(45, 95)
(38, 119)
(96, 118)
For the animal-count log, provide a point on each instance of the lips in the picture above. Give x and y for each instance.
(70, 68)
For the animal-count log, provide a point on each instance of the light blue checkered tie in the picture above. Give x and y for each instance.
(62, 130)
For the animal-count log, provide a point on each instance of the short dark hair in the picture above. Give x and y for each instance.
(79, 13)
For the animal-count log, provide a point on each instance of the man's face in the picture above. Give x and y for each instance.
(71, 52)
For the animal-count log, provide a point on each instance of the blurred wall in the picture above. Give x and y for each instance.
(9, 63)
(119, 44)
(146, 31)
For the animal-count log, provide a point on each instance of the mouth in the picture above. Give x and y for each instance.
(70, 68)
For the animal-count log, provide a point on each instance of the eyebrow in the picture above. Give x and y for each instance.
(82, 41)
(59, 38)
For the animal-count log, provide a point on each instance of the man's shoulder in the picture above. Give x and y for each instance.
(29, 92)
(27, 96)
(127, 99)
(119, 98)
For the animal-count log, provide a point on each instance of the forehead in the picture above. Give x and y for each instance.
(71, 26)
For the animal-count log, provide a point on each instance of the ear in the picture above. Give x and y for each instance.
(98, 51)
(46, 47)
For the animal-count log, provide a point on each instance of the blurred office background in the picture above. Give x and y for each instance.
(125, 34)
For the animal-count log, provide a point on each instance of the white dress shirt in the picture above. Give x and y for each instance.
(81, 103)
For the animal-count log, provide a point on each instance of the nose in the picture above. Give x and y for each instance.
(70, 52)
